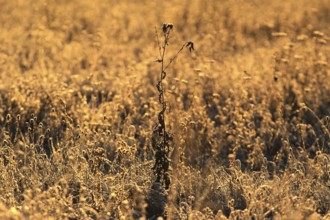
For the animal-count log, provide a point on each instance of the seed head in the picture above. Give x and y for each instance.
(167, 27)
(190, 46)
(8, 118)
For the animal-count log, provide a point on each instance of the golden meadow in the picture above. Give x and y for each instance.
(248, 110)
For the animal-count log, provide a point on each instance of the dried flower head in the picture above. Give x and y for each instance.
(190, 46)
(167, 27)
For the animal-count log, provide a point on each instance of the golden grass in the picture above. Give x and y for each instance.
(248, 109)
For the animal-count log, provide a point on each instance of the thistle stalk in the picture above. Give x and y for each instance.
(161, 137)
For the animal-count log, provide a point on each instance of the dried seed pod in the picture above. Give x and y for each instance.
(8, 118)
(190, 46)
(164, 28)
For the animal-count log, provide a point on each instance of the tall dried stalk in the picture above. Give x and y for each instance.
(161, 137)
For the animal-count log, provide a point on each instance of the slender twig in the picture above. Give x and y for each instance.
(175, 56)
(158, 44)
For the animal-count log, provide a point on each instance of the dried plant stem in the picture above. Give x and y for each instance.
(161, 137)
(162, 147)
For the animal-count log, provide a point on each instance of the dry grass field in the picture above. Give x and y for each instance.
(247, 111)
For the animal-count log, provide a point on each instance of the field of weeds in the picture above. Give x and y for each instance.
(84, 105)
